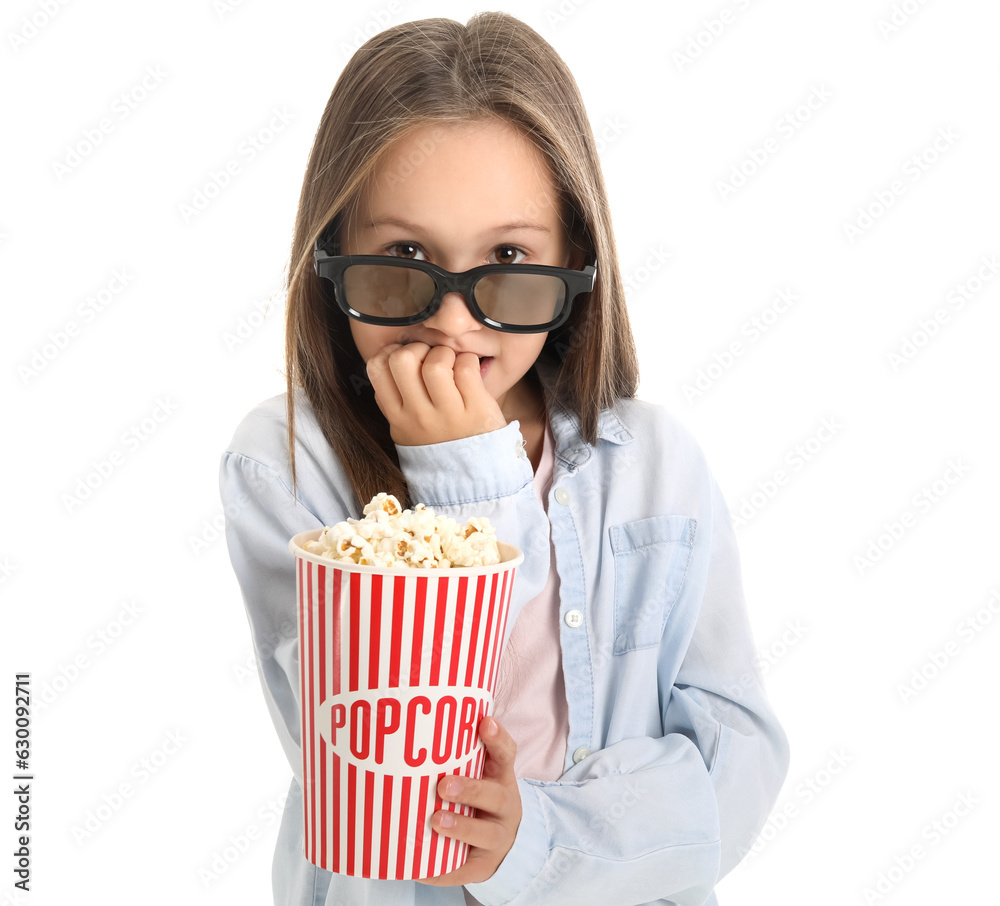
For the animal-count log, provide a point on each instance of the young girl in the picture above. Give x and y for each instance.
(633, 756)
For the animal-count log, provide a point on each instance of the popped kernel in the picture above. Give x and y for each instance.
(390, 536)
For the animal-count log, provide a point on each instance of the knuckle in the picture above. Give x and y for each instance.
(436, 368)
(400, 356)
(408, 352)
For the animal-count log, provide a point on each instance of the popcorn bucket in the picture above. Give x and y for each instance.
(397, 667)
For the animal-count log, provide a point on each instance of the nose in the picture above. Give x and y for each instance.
(453, 317)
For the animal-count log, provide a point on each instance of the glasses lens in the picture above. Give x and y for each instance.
(383, 291)
(521, 299)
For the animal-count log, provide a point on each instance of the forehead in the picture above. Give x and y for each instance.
(471, 171)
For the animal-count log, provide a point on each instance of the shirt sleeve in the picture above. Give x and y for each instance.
(262, 515)
(487, 475)
(662, 818)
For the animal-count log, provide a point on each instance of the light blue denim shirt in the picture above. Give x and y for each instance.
(674, 756)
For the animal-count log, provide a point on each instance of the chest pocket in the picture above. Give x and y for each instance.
(651, 559)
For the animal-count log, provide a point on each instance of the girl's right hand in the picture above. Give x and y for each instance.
(428, 394)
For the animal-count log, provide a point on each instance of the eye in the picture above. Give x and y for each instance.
(406, 250)
(508, 254)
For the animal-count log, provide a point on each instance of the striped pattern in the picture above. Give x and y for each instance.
(396, 636)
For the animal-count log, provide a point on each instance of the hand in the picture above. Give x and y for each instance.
(430, 394)
(498, 802)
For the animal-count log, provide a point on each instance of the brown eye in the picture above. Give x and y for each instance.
(508, 254)
(405, 250)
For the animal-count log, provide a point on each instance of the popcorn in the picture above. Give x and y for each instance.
(389, 536)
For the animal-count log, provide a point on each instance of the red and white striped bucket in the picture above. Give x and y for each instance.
(397, 667)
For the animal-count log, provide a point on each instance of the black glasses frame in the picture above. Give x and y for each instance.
(332, 268)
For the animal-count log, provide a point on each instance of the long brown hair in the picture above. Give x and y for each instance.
(418, 73)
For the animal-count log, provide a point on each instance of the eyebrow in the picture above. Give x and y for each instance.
(414, 228)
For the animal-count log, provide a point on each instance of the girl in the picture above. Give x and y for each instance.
(479, 359)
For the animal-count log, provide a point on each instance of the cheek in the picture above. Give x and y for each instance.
(370, 338)
(519, 352)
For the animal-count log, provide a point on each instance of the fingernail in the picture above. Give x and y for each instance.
(447, 819)
(491, 727)
(453, 787)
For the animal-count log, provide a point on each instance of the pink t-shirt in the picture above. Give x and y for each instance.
(531, 697)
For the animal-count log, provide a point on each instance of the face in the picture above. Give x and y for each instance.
(460, 196)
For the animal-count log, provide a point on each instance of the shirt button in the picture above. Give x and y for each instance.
(562, 496)
(580, 754)
(574, 618)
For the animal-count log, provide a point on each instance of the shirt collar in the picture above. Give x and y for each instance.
(570, 445)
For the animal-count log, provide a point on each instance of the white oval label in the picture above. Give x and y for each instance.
(412, 731)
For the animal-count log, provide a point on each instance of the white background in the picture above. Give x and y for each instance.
(123, 606)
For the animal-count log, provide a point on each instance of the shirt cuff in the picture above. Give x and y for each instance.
(470, 469)
(526, 858)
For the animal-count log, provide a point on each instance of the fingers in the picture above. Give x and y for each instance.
(404, 364)
(492, 794)
(486, 796)
(468, 379)
(415, 376)
(387, 394)
(474, 831)
(500, 747)
(497, 801)
(430, 394)
(438, 376)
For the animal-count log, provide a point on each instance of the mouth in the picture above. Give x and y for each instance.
(484, 364)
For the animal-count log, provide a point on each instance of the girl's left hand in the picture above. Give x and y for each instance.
(497, 801)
